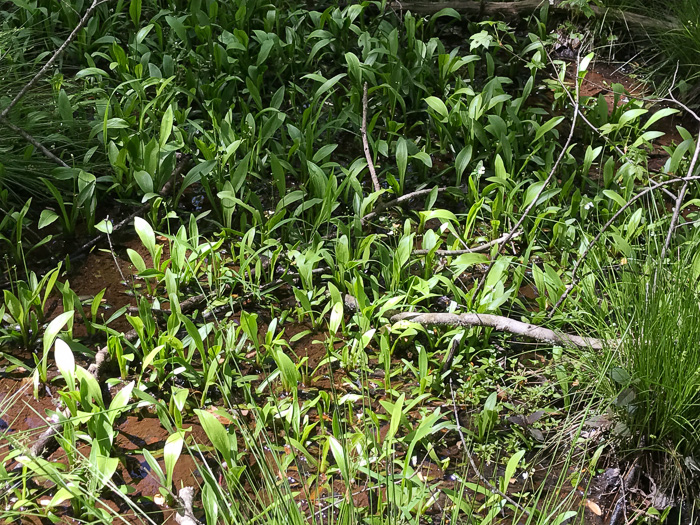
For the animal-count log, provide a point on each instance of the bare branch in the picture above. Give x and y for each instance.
(604, 229)
(679, 199)
(401, 200)
(34, 142)
(50, 61)
(516, 228)
(481, 248)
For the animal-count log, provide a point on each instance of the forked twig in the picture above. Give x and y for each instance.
(515, 228)
(400, 200)
(365, 143)
(481, 248)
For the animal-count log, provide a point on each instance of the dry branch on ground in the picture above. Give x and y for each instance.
(500, 324)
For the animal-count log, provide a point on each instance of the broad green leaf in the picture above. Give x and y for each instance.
(64, 106)
(166, 126)
(135, 11)
(336, 318)
(401, 157)
(65, 361)
(340, 457)
(615, 196)
(631, 115)
(171, 453)
(512, 465)
(146, 234)
(54, 328)
(216, 433)
(288, 371)
(547, 126)
(144, 181)
(463, 159)
(119, 402)
(354, 67)
(105, 226)
(47, 217)
(396, 416)
(438, 106)
(659, 115)
(88, 71)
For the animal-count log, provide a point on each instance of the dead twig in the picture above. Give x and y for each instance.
(679, 199)
(500, 324)
(564, 150)
(34, 142)
(607, 225)
(482, 478)
(365, 143)
(481, 248)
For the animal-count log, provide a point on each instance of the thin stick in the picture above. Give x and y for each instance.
(54, 57)
(603, 230)
(513, 230)
(500, 324)
(478, 473)
(679, 199)
(365, 143)
(114, 256)
(401, 200)
(34, 142)
(481, 248)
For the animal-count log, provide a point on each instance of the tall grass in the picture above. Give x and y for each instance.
(655, 314)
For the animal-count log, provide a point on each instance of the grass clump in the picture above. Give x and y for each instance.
(657, 380)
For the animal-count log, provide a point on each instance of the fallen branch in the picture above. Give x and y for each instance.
(185, 515)
(500, 324)
(481, 248)
(532, 204)
(526, 7)
(365, 143)
(607, 225)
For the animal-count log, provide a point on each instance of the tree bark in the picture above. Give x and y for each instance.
(527, 7)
